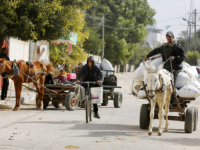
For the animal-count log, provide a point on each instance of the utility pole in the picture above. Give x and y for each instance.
(195, 31)
(102, 37)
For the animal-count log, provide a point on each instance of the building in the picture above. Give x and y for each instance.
(155, 37)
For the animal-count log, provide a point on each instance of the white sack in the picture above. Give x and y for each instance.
(136, 84)
(106, 65)
(139, 72)
(191, 72)
(141, 94)
(195, 71)
(156, 62)
(182, 79)
(188, 91)
(195, 84)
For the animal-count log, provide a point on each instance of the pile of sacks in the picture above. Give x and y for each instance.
(187, 83)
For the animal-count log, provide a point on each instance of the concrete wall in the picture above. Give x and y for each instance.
(18, 49)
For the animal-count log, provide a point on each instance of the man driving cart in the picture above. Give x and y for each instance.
(91, 72)
(172, 51)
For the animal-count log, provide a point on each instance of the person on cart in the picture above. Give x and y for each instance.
(91, 72)
(172, 51)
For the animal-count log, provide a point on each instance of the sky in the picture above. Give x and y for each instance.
(171, 12)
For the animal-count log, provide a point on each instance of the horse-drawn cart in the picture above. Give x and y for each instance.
(189, 115)
(65, 96)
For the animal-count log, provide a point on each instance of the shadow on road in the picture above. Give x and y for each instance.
(180, 141)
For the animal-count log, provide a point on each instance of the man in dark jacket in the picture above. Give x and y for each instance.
(172, 51)
(91, 72)
(4, 54)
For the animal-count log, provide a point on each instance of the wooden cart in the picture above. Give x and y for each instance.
(109, 94)
(188, 115)
(65, 96)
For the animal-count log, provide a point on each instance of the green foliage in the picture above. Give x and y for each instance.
(135, 14)
(139, 53)
(40, 19)
(92, 45)
(191, 57)
(59, 55)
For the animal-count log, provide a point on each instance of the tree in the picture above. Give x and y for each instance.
(59, 53)
(139, 53)
(40, 19)
(94, 43)
(191, 57)
(184, 40)
(125, 22)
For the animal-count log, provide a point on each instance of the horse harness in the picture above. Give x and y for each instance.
(161, 90)
(15, 71)
(31, 65)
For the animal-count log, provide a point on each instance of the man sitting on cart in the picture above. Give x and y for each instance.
(91, 72)
(172, 51)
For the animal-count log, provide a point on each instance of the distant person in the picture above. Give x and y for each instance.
(61, 77)
(91, 72)
(4, 54)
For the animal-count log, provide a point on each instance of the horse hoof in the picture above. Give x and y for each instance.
(39, 108)
(15, 109)
(149, 133)
(159, 134)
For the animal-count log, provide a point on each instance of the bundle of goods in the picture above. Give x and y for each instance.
(187, 83)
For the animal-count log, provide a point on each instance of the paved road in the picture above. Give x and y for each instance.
(117, 128)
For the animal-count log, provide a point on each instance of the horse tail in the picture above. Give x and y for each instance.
(49, 67)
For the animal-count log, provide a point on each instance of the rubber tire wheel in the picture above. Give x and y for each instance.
(68, 100)
(144, 116)
(90, 110)
(105, 103)
(45, 103)
(86, 110)
(118, 98)
(195, 118)
(189, 120)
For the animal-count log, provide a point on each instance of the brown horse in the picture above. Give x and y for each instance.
(7, 66)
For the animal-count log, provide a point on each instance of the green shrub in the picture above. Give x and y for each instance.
(191, 57)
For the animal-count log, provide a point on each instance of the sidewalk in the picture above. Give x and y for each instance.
(26, 96)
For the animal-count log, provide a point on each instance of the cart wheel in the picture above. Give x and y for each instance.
(71, 102)
(45, 103)
(144, 116)
(195, 118)
(105, 103)
(86, 109)
(57, 104)
(189, 120)
(118, 99)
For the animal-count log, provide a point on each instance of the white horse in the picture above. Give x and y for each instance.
(160, 91)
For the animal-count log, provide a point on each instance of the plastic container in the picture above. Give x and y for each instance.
(71, 76)
(106, 65)
(97, 95)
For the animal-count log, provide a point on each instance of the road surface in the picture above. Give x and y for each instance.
(118, 128)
